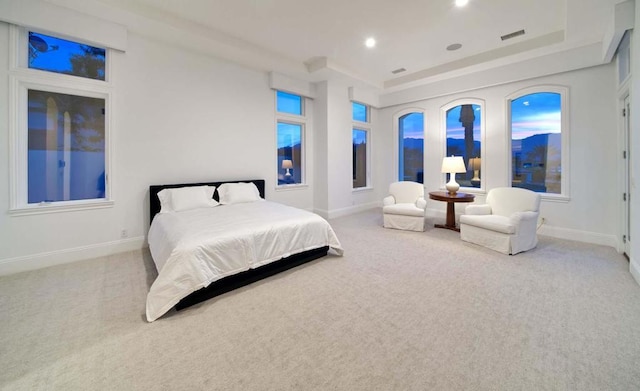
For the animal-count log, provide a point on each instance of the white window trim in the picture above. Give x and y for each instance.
(443, 135)
(396, 139)
(21, 79)
(294, 120)
(565, 194)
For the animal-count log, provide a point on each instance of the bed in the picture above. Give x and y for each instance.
(202, 249)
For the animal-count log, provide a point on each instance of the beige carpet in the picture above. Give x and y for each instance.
(400, 311)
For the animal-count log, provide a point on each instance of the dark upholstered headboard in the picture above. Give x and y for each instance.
(154, 202)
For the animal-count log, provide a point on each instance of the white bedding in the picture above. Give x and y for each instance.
(194, 248)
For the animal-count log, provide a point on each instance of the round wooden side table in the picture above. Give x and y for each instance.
(450, 199)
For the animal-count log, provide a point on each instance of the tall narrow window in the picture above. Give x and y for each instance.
(536, 141)
(411, 147)
(290, 138)
(464, 135)
(359, 158)
(289, 153)
(360, 144)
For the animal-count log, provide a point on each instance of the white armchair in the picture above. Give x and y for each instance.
(506, 223)
(405, 206)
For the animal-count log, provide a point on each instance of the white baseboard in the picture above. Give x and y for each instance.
(580, 236)
(634, 268)
(332, 214)
(556, 232)
(51, 258)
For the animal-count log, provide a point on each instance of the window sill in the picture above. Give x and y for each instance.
(58, 207)
(554, 197)
(471, 190)
(294, 186)
(360, 189)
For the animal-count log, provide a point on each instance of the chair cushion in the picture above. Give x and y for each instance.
(491, 222)
(403, 209)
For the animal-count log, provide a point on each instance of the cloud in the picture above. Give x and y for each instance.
(524, 126)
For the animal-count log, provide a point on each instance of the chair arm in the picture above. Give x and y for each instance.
(388, 200)
(519, 217)
(526, 223)
(421, 203)
(482, 209)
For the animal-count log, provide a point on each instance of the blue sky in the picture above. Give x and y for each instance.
(289, 103)
(359, 112)
(537, 113)
(56, 59)
(359, 136)
(288, 134)
(454, 126)
(413, 125)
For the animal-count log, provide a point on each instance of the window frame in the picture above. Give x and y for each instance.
(565, 160)
(292, 119)
(443, 133)
(21, 79)
(396, 139)
(362, 126)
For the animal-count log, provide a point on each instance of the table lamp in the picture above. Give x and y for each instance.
(287, 164)
(474, 164)
(453, 165)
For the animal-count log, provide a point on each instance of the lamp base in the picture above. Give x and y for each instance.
(452, 186)
(288, 173)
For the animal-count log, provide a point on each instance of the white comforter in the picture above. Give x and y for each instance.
(194, 248)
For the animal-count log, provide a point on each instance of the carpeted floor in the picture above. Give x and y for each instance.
(400, 311)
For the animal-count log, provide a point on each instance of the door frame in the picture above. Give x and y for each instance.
(625, 172)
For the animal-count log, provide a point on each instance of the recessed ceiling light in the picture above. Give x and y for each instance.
(370, 42)
(461, 3)
(454, 46)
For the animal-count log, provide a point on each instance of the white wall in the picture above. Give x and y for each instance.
(333, 126)
(178, 116)
(591, 213)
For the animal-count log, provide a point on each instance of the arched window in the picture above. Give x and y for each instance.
(537, 122)
(464, 132)
(410, 131)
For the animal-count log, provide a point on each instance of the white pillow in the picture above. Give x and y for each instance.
(235, 193)
(164, 196)
(185, 198)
